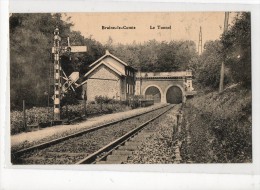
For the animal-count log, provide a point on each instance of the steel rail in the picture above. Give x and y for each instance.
(40, 146)
(93, 158)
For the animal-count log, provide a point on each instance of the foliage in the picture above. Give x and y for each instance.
(136, 101)
(95, 51)
(31, 39)
(237, 47)
(33, 116)
(37, 115)
(30, 56)
(17, 125)
(102, 99)
(220, 127)
(208, 71)
(234, 49)
(70, 98)
(155, 56)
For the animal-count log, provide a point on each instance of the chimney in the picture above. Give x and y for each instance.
(107, 52)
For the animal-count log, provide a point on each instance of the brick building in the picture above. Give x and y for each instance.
(109, 76)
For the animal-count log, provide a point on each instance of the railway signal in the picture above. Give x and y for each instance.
(72, 79)
(59, 89)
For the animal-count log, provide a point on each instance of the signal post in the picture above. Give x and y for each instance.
(57, 50)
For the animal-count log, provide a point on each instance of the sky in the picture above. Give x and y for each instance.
(183, 26)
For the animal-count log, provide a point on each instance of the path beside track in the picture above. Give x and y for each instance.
(61, 130)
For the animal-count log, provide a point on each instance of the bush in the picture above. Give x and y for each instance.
(17, 125)
(135, 101)
(102, 99)
(92, 102)
(38, 115)
(33, 116)
(73, 111)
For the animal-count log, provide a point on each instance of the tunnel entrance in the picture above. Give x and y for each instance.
(174, 95)
(153, 93)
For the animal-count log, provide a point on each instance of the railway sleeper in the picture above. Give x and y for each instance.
(110, 162)
(122, 152)
(128, 147)
(71, 154)
(133, 143)
(142, 136)
(122, 158)
(44, 159)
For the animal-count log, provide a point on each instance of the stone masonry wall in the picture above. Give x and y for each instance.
(162, 84)
(103, 82)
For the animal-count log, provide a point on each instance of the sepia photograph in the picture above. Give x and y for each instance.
(130, 88)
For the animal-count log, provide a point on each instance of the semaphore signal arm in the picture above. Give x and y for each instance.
(60, 89)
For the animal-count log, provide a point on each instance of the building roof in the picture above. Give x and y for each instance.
(106, 55)
(93, 65)
(106, 64)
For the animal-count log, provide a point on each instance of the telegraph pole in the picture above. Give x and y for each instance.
(57, 50)
(222, 70)
(200, 42)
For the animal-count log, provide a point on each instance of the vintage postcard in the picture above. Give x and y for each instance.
(130, 88)
(129, 95)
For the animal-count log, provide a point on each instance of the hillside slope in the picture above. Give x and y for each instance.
(219, 127)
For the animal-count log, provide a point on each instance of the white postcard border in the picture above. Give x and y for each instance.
(109, 177)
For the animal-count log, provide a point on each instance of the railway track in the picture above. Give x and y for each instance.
(122, 146)
(82, 146)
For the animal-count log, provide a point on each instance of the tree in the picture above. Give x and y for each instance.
(95, 51)
(155, 56)
(234, 48)
(237, 47)
(207, 73)
(31, 39)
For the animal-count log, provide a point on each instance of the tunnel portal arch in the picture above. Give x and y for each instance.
(174, 94)
(153, 92)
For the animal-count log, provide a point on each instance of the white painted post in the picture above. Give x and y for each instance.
(57, 50)
(57, 68)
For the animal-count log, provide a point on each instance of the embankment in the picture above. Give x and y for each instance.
(217, 128)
